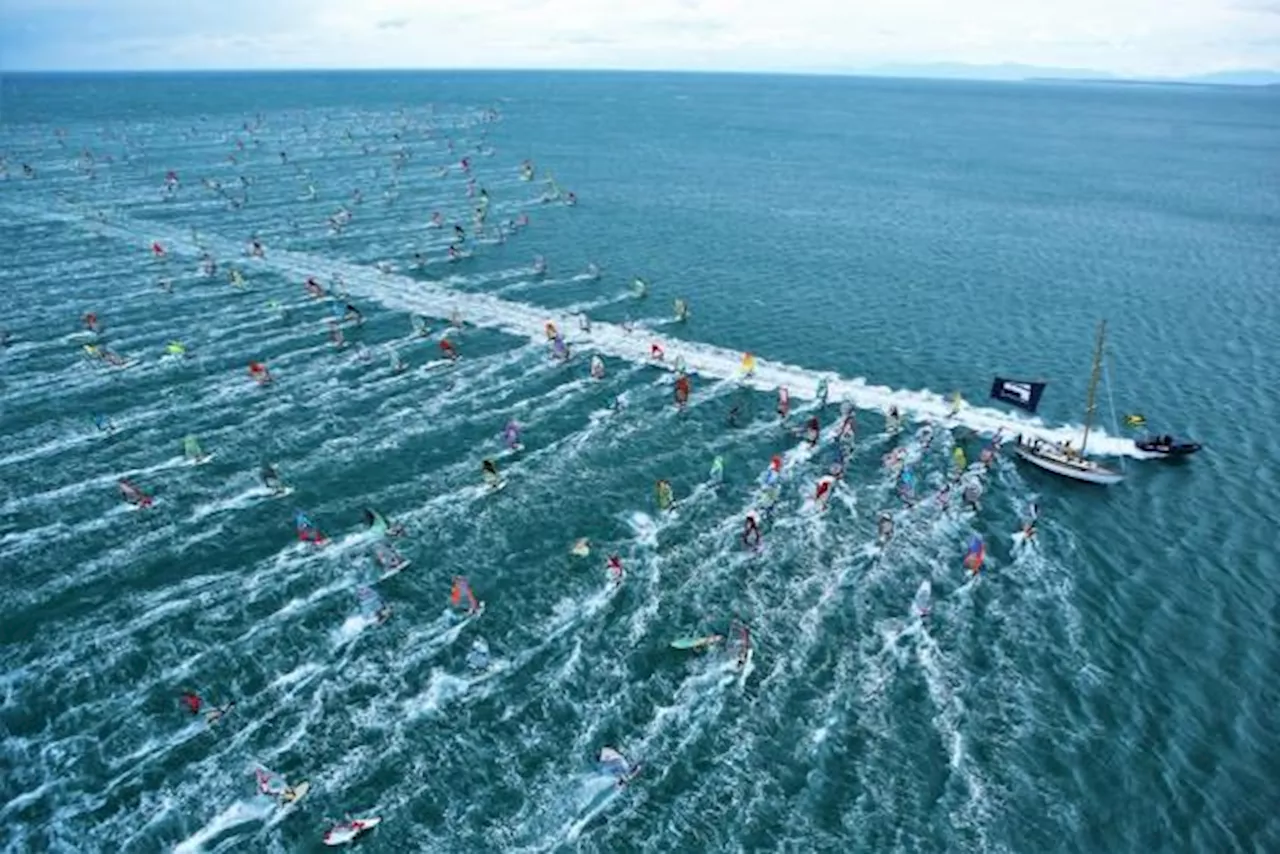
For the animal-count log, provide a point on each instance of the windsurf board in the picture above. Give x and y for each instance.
(387, 573)
(299, 792)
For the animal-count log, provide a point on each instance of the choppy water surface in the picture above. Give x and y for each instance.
(1106, 688)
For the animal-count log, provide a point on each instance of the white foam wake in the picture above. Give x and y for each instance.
(528, 321)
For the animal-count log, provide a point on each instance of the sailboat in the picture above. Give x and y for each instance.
(1061, 459)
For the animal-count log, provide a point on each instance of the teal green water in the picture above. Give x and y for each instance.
(1109, 688)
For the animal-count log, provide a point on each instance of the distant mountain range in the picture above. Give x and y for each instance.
(1015, 71)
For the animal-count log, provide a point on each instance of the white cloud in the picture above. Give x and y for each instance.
(1136, 37)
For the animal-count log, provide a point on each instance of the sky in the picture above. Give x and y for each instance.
(1129, 38)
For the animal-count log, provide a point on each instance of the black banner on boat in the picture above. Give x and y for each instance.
(1022, 394)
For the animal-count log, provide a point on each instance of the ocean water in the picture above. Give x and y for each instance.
(1108, 688)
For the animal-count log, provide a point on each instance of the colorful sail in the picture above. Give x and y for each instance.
(665, 496)
(511, 435)
(191, 448)
(748, 364)
(975, 554)
(461, 595)
(958, 458)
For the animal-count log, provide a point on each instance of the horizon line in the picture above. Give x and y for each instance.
(932, 72)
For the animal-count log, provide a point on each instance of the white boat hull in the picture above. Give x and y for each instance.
(1076, 468)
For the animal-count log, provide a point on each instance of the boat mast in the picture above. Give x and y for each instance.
(1093, 385)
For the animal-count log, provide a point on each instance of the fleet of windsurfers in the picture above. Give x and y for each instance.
(461, 594)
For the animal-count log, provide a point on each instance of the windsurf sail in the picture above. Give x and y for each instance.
(461, 595)
(1023, 394)
(478, 656)
(924, 594)
(682, 390)
(613, 762)
(176, 348)
(784, 401)
(665, 496)
(511, 435)
(268, 783)
(717, 469)
(191, 448)
(748, 364)
(907, 484)
(958, 458)
(975, 554)
(370, 602)
(307, 532)
(597, 368)
(1135, 420)
(744, 643)
(682, 309)
(376, 522)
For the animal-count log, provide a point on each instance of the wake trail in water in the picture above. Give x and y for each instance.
(528, 321)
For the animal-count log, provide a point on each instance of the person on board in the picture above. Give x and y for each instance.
(613, 762)
(884, 528)
(744, 643)
(1029, 529)
(217, 714)
(822, 392)
(734, 414)
(823, 492)
(944, 496)
(682, 390)
(751, 530)
(812, 431)
(848, 428)
(350, 312)
(307, 532)
(478, 656)
(314, 288)
(132, 494)
(926, 436)
(462, 590)
(192, 701)
(666, 499)
(270, 478)
(614, 565)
